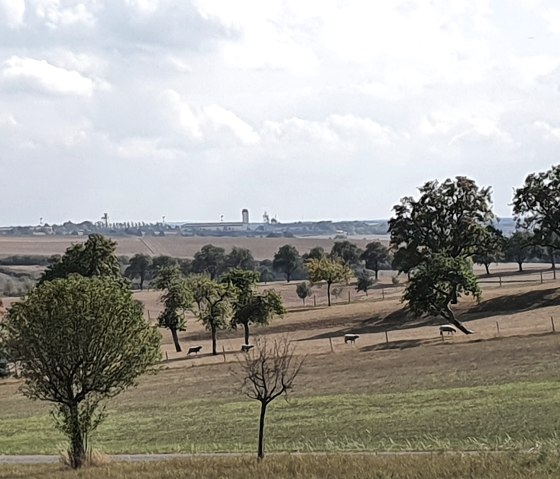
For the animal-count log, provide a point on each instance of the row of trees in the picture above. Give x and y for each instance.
(436, 237)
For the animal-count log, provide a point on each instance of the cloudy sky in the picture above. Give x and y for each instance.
(308, 109)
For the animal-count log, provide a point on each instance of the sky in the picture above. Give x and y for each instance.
(306, 109)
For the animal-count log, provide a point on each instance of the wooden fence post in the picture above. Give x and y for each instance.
(541, 278)
(386, 337)
(383, 293)
(500, 281)
(348, 295)
(552, 321)
(149, 317)
(224, 353)
(332, 349)
(314, 301)
(498, 327)
(166, 356)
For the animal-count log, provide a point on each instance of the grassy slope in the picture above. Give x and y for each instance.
(501, 393)
(518, 466)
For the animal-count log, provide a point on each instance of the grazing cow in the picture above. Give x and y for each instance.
(194, 349)
(447, 329)
(246, 347)
(350, 338)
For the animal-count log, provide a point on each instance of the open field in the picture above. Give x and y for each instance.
(438, 466)
(177, 246)
(495, 390)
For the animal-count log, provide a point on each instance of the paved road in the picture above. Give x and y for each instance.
(52, 459)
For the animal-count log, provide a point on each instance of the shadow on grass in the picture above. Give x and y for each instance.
(402, 344)
(397, 320)
(513, 303)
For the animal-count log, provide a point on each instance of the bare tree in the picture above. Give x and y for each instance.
(269, 371)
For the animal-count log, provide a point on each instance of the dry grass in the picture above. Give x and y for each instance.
(437, 466)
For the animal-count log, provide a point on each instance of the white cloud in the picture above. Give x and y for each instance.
(550, 132)
(46, 77)
(57, 14)
(12, 12)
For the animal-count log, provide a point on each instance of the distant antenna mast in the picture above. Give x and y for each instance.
(105, 219)
(41, 221)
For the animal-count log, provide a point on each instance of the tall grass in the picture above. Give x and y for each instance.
(433, 466)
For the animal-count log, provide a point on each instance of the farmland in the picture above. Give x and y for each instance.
(176, 246)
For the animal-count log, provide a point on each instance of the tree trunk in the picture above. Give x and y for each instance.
(520, 264)
(260, 453)
(288, 276)
(142, 278)
(176, 340)
(214, 340)
(487, 266)
(246, 332)
(329, 293)
(450, 316)
(376, 274)
(77, 451)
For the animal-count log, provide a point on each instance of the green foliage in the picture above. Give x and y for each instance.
(365, 282)
(329, 270)
(376, 256)
(79, 341)
(176, 299)
(95, 257)
(491, 248)
(438, 282)
(347, 252)
(519, 247)
(210, 260)
(444, 228)
(536, 206)
(303, 290)
(249, 306)
(449, 219)
(317, 252)
(241, 258)
(139, 267)
(160, 262)
(213, 303)
(287, 260)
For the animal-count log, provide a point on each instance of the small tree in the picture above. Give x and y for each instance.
(303, 290)
(210, 260)
(214, 304)
(287, 260)
(269, 371)
(317, 252)
(519, 248)
(250, 306)
(176, 299)
(347, 252)
(491, 248)
(241, 258)
(365, 282)
(138, 267)
(376, 256)
(79, 341)
(329, 270)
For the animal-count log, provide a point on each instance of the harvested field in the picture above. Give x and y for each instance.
(177, 246)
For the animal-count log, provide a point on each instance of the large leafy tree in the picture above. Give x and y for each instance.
(79, 341)
(329, 270)
(376, 256)
(139, 267)
(95, 257)
(251, 306)
(287, 260)
(536, 206)
(176, 299)
(347, 252)
(317, 252)
(213, 304)
(444, 227)
(364, 282)
(435, 284)
(210, 260)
